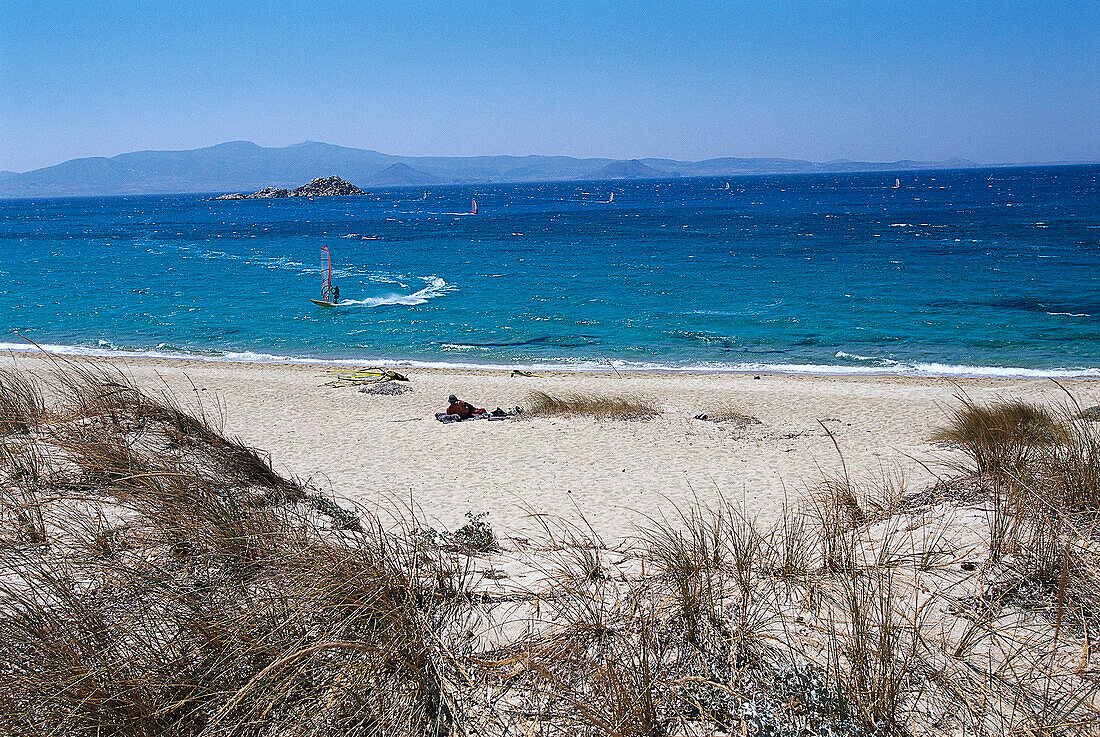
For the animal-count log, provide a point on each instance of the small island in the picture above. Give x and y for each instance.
(322, 187)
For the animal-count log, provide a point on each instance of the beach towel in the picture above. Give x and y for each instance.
(448, 418)
(497, 415)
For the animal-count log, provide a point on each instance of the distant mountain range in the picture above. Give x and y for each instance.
(241, 166)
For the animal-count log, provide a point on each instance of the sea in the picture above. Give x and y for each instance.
(949, 273)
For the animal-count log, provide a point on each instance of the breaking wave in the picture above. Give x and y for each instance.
(568, 364)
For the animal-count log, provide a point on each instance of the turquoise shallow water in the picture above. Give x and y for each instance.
(955, 272)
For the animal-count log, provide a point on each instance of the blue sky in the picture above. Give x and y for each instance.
(995, 82)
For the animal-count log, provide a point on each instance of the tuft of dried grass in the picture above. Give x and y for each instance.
(1001, 437)
(540, 403)
(873, 650)
(22, 407)
(691, 557)
(1067, 474)
(1040, 468)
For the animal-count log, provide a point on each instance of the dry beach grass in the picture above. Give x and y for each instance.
(599, 406)
(159, 577)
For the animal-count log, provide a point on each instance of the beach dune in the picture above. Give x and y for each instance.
(389, 453)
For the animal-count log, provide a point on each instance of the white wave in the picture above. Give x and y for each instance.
(941, 369)
(107, 349)
(279, 262)
(857, 357)
(462, 347)
(249, 259)
(437, 287)
(1072, 314)
(571, 365)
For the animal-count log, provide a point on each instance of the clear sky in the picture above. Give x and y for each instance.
(990, 81)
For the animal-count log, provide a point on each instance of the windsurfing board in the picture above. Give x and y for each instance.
(322, 303)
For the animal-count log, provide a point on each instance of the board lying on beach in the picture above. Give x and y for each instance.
(360, 376)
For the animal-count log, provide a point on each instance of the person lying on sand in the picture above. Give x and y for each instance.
(459, 410)
(464, 410)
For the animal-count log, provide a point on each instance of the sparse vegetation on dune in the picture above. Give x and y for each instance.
(21, 403)
(158, 578)
(590, 405)
(729, 414)
(1041, 468)
(1003, 436)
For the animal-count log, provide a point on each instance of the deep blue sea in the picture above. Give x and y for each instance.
(993, 271)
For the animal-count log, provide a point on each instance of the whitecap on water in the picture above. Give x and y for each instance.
(436, 287)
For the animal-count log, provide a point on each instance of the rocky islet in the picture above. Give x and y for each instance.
(321, 187)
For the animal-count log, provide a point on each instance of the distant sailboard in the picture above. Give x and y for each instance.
(473, 207)
(897, 184)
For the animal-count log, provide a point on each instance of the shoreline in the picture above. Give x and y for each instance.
(894, 369)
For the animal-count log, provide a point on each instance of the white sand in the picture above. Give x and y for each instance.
(388, 450)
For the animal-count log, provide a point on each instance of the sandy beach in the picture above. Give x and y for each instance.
(389, 452)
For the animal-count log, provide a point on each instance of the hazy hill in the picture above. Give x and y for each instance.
(632, 169)
(401, 175)
(241, 166)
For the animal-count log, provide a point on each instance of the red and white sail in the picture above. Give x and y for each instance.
(326, 275)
